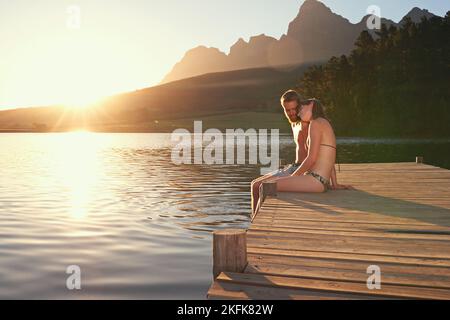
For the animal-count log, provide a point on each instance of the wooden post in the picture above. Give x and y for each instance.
(268, 189)
(265, 189)
(229, 250)
(419, 159)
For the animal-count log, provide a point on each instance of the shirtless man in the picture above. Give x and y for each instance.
(313, 170)
(316, 173)
(290, 101)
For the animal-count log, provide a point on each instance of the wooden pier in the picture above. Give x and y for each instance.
(331, 245)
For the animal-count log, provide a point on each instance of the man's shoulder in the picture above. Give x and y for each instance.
(296, 126)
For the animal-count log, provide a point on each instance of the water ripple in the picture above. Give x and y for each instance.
(137, 225)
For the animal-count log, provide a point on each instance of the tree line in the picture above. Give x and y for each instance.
(396, 82)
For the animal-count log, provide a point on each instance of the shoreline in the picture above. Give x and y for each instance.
(282, 132)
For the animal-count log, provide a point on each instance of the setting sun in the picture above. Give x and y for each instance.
(76, 74)
(58, 65)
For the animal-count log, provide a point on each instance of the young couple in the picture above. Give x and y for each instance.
(315, 153)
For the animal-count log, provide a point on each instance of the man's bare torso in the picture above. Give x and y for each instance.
(300, 132)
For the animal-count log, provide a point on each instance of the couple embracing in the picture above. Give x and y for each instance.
(313, 170)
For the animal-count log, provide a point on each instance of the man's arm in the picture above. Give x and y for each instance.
(302, 153)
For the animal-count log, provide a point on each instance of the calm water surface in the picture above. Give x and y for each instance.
(138, 226)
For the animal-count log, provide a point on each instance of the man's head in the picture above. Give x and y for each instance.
(290, 101)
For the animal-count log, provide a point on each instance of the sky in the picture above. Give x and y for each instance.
(73, 52)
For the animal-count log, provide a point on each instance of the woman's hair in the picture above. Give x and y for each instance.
(317, 110)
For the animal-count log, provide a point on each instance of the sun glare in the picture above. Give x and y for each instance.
(75, 72)
(78, 166)
(82, 102)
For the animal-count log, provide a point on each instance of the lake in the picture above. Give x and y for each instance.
(137, 225)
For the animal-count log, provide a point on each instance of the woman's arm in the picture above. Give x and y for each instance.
(335, 185)
(315, 135)
(333, 177)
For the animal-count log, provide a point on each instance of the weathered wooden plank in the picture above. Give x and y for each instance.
(364, 204)
(320, 272)
(349, 219)
(363, 257)
(346, 245)
(344, 199)
(392, 225)
(384, 166)
(340, 264)
(287, 232)
(235, 291)
(394, 215)
(393, 291)
(410, 178)
(363, 217)
(346, 240)
(415, 249)
(344, 226)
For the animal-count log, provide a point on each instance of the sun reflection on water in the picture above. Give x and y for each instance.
(78, 168)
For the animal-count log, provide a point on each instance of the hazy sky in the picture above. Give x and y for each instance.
(122, 45)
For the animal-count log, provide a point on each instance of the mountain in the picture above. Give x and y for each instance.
(316, 34)
(416, 15)
(200, 60)
(245, 55)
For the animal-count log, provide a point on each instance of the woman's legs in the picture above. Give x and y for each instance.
(299, 184)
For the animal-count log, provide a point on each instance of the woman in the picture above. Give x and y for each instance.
(315, 172)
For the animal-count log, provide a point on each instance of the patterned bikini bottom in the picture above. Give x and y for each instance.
(322, 180)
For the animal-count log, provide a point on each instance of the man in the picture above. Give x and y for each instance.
(290, 101)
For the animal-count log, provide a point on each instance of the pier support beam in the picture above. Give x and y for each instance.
(265, 189)
(268, 189)
(229, 250)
